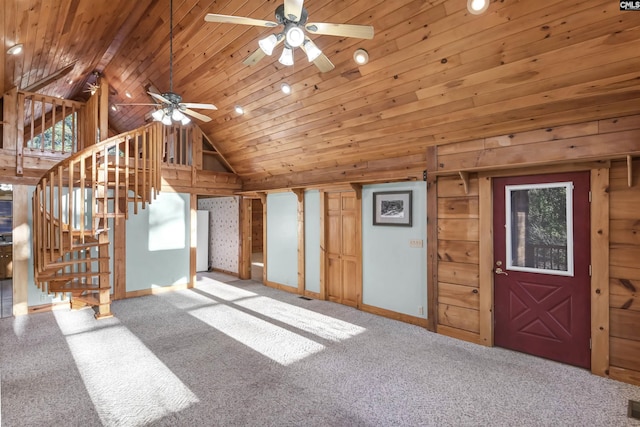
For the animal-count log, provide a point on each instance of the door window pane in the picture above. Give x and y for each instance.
(539, 228)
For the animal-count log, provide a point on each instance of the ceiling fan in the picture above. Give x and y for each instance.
(170, 107)
(293, 17)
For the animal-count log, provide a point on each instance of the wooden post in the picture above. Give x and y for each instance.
(193, 250)
(104, 297)
(20, 134)
(299, 192)
(21, 250)
(432, 239)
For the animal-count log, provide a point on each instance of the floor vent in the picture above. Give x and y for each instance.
(634, 409)
(305, 298)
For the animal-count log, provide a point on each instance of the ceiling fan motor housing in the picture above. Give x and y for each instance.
(281, 19)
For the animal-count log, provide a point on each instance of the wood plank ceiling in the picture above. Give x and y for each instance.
(437, 74)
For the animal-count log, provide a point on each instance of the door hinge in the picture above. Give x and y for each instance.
(589, 196)
(590, 270)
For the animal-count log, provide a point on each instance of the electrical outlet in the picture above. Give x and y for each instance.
(421, 310)
(43, 297)
(415, 243)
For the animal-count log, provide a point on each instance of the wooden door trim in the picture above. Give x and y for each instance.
(600, 272)
(599, 260)
(323, 245)
(245, 239)
(485, 258)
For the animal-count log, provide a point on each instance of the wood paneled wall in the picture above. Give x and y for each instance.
(462, 233)
(256, 226)
(624, 282)
(458, 247)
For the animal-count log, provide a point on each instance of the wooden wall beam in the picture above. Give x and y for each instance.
(585, 148)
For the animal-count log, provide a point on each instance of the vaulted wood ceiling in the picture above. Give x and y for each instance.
(437, 74)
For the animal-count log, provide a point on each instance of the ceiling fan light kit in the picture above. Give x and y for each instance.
(293, 16)
(477, 7)
(287, 56)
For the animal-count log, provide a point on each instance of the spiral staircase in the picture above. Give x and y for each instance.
(73, 205)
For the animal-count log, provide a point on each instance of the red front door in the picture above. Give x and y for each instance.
(542, 256)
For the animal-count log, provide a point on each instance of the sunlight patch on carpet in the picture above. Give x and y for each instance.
(274, 342)
(127, 383)
(318, 324)
(226, 292)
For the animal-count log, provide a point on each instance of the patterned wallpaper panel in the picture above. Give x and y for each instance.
(224, 230)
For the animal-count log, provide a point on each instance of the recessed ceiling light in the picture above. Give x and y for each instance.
(239, 109)
(477, 7)
(361, 56)
(285, 88)
(15, 49)
(114, 108)
(128, 95)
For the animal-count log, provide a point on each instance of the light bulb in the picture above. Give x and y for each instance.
(239, 109)
(185, 120)
(477, 7)
(166, 120)
(361, 56)
(287, 56)
(295, 36)
(15, 49)
(312, 50)
(267, 44)
(157, 115)
(285, 88)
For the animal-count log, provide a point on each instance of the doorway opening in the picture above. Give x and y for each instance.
(6, 250)
(257, 243)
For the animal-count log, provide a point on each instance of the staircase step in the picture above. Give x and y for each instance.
(61, 264)
(63, 279)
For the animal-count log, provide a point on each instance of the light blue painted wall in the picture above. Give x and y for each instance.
(158, 243)
(282, 239)
(394, 275)
(312, 240)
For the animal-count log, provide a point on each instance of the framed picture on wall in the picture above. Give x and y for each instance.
(392, 208)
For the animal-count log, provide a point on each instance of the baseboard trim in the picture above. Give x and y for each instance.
(155, 291)
(418, 321)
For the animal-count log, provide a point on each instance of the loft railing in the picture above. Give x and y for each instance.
(49, 124)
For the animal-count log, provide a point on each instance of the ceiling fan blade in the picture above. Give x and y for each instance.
(196, 115)
(159, 97)
(323, 63)
(254, 57)
(344, 30)
(125, 104)
(228, 19)
(293, 9)
(196, 105)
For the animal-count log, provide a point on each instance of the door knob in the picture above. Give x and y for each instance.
(498, 270)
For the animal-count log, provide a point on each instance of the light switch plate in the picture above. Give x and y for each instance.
(415, 243)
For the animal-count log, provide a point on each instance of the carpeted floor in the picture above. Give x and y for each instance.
(241, 354)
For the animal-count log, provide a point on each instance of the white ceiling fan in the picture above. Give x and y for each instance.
(170, 107)
(293, 17)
